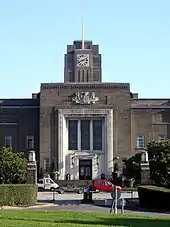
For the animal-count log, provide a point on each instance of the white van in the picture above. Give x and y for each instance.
(49, 184)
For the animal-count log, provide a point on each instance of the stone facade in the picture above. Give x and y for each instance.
(129, 122)
(19, 118)
(115, 97)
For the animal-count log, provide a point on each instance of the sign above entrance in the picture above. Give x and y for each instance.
(85, 98)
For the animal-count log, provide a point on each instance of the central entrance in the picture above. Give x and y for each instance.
(85, 169)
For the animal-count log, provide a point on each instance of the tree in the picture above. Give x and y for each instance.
(132, 169)
(159, 161)
(13, 166)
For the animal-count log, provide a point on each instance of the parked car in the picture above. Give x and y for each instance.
(73, 188)
(48, 184)
(104, 186)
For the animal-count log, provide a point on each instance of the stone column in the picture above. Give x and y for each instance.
(145, 174)
(91, 135)
(60, 144)
(109, 140)
(79, 135)
(32, 168)
(32, 173)
(145, 169)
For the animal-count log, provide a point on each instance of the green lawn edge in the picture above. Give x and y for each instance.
(82, 219)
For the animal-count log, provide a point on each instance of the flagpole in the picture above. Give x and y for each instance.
(83, 6)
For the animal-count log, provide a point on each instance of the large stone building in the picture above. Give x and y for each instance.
(83, 124)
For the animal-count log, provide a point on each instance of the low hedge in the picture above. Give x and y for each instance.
(154, 197)
(18, 194)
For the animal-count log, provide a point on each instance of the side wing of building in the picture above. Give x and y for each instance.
(150, 120)
(19, 124)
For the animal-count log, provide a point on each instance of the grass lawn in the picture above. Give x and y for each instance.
(70, 219)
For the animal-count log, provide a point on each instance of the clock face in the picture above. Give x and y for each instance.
(82, 60)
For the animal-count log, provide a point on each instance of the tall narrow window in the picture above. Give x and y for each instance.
(8, 141)
(72, 135)
(79, 76)
(97, 134)
(106, 100)
(85, 134)
(87, 75)
(83, 76)
(30, 142)
(46, 165)
(140, 141)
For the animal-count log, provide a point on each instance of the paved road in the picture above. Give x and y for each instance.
(70, 197)
(44, 196)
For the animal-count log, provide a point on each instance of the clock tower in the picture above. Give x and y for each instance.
(82, 65)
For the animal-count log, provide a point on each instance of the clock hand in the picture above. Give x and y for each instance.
(80, 61)
(85, 59)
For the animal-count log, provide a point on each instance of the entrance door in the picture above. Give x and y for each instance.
(85, 169)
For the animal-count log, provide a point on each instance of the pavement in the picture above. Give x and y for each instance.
(48, 196)
(92, 208)
(66, 202)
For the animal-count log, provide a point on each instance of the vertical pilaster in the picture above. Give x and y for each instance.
(91, 135)
(109, 133)
(103, 135)
(60, 145)
(79, 135)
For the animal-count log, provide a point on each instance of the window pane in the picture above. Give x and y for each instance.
(97, 134)
(8, 141)
(30, 142)
(46, 165)
(72, 134)
(140, 142)
(85, 134)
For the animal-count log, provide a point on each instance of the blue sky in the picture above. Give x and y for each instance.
(134, 39)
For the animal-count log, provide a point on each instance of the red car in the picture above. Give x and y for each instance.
(104, 186)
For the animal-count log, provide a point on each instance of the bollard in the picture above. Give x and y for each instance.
(115, 203)
(122, 210)
(54, 194)
(111, 209)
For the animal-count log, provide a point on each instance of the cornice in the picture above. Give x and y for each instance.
(57, 86)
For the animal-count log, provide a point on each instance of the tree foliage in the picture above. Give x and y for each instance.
(133, 167)
(159, 161)
(13, 166)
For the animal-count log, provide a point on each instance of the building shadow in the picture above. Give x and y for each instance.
(119, 221)
(61, 202)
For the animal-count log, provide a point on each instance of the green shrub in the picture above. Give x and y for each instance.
(154, 197)
(18, 194)
(13, 166)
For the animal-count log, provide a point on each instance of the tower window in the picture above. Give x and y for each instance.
(78, 75)
(87, 75)
(78, 45)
